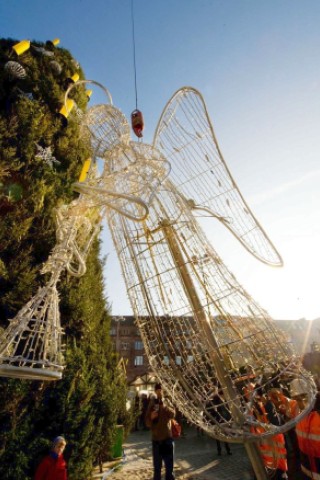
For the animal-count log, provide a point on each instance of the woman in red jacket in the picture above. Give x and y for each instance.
(53, 466)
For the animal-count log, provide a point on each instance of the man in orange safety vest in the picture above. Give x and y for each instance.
(308, 433)
(272, 449)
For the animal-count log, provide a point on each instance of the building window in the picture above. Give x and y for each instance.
(113, 331)
(138, 345)
(138, 360)
(178, 360)
(125, 346)
(190, 359)
(166, 360)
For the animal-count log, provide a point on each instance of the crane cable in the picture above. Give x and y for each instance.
(137, 122)
(134, 54)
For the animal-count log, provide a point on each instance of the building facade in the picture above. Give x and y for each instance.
(303, 334)
(127, 342)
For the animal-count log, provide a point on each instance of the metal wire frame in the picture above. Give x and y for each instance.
(186, 327)
(200, 328)
(31, 346)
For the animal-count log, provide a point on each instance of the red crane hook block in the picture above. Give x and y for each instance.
(137, 122)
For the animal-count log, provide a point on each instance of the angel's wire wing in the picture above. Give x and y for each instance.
(185, 136)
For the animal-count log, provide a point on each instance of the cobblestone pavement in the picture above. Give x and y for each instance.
(195, 459)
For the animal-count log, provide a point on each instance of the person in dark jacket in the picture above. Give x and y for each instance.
(53, 466)
(158, 419)
(216, 409)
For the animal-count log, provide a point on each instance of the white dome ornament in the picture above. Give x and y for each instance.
(15, 70)
(55, 67)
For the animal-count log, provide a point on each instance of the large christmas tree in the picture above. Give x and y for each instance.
(41, 155)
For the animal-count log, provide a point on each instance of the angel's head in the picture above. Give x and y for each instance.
(107, 127)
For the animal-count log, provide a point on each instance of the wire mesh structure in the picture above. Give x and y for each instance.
(199, 326)
(216, 351)
(31, 346)
(201, 330)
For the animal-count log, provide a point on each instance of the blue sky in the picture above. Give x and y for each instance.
(256, 63)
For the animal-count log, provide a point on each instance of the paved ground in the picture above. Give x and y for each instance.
(195, 459)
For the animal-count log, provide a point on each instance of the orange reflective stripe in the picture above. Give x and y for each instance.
(273, 447)
(275, 462)
(308, 435)
(311, 436)
(274, 453)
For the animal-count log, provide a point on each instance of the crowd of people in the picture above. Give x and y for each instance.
(275, 401)
(276, 405)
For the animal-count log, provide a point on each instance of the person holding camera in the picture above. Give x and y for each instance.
(158, 419)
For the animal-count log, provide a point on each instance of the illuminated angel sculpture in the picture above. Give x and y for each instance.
(200, 328)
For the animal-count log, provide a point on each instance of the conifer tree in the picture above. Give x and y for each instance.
(88, 402)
